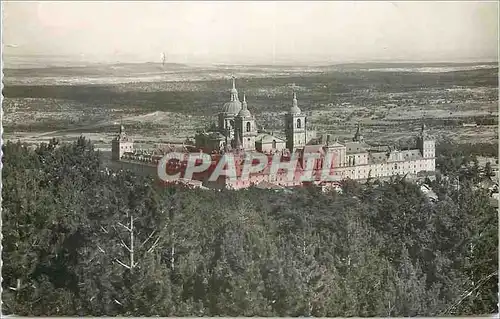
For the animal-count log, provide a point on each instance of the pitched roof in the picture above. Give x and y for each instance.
(313, 149)
(379, 148)
(377, 158)
(335, 144)
(356, 147)
(428, 192)
(409, 155)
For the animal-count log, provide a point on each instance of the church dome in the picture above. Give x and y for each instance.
(244, 111)
(295, 110)
(233, 107)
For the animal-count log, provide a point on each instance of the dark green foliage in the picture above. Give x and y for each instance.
(377, 249)
(461, 159)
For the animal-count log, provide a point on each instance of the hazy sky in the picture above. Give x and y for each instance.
(264, 31)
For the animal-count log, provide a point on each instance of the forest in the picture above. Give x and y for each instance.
(81, 240)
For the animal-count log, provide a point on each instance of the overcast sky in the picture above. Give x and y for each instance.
(233, 32)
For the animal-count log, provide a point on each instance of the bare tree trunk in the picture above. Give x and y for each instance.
(172, 252)
(130, 249)
(131, 242)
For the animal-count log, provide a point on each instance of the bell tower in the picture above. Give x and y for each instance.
(427, 148)
(121, 144)
(425, 145)
(295, 127)
(246, 129)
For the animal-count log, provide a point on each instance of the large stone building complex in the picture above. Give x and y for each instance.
(236, 132)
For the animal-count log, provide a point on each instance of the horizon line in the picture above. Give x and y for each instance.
(75, 63)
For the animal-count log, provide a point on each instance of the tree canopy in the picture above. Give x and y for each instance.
(80, 239)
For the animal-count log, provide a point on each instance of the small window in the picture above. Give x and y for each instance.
(274, 143)
(299, 124)
(248, 126)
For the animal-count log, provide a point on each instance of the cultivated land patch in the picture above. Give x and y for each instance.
(171, 105)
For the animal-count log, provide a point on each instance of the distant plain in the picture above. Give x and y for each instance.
(170, 103)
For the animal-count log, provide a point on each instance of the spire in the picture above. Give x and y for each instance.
(244, 105)
(422, 129)
(244, 110)
(234, 92)
(122, 128)
(358, 137)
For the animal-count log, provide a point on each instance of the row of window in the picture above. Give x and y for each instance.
(125, 147)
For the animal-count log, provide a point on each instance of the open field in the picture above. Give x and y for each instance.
(169, 104)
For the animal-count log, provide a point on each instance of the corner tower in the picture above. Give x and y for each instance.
(295, 127)
(425, 144)
(246, 129)
(121, 144)
(428, 150)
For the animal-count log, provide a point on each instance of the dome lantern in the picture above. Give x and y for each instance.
(233, 107)
(244, 111)
(295, 110)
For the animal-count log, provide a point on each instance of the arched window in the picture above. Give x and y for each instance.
(248, 126)
(299, 124)
(274, 143)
